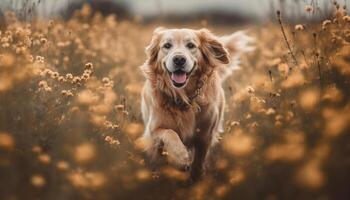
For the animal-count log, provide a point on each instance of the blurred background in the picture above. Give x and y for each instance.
(70, 100)
(220, 11)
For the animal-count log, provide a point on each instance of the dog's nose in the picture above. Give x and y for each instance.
(179, 60)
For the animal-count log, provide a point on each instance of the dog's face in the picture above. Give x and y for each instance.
(180, 52)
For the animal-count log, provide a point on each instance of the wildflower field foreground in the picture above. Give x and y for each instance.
(70, 113)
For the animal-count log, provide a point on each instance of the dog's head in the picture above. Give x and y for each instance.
(180, 52)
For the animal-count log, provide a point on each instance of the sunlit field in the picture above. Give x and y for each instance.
(70, 112)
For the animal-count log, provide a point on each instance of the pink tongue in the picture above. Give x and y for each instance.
(178, 77)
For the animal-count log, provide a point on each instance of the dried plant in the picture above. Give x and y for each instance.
(70, 117)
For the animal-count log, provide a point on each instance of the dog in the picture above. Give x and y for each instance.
(182, 99)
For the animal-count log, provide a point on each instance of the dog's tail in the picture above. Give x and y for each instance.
(236, 44)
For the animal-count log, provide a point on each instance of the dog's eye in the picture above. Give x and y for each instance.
(190, 45)
(167, 45)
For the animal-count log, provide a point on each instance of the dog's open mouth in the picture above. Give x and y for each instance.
(179, 78)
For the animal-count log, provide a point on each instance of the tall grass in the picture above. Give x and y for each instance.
(70, 117)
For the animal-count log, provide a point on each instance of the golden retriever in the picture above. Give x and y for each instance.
(183, 100)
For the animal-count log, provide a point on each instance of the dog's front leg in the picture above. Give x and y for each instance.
(173, 148)
(201, 150)
(202, 142)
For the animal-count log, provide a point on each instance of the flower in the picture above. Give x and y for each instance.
(42, 84)
(299, 27)
(326, 22)
(69, 76)
(43, 41)
(89, 66)
(309, 9)
(6, 141)
(346, 18)
(38, 180)
(67, 93)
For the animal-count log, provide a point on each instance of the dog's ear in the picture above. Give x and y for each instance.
(212, 49)
(153, 48)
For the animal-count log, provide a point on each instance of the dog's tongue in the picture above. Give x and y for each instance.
(178, 77)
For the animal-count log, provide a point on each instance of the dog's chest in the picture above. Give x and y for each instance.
(185, 122)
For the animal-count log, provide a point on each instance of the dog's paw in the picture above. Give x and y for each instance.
(178, 156)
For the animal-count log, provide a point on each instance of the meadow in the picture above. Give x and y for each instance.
(70, 112)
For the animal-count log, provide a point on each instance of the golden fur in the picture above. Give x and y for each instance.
(183, 120)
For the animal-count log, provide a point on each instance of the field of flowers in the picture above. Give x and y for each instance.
(70, 113)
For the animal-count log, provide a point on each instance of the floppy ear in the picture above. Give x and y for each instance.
(211, 48)
(153, 48)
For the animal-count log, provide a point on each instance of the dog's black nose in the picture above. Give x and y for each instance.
(179, 60)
